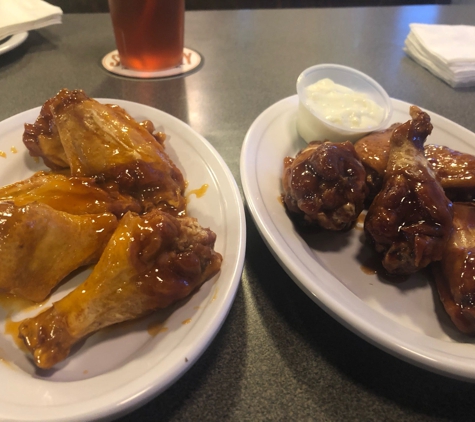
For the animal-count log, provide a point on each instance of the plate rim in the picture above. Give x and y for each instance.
(415, 348)
(106, 405)
(13, 41)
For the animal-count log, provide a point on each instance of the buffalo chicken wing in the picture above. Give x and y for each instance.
(39, 246)
(103, 141)
(150, 262)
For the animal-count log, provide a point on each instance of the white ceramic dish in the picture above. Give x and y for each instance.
(12, 42)
(120, 368)
(405, 319)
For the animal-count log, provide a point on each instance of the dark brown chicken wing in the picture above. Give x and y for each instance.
(453, 169)
(325, 185)
(410, 220)
(373, 151)
(455, 273)
(150, 262)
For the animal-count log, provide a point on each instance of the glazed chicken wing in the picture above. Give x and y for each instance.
(325, 185)
(410, 220)
(373, 151)
(150, 262)
(453, 169)
(42, 139)
(103, 141)
(39, 246)
(455, 273)
(74, 195)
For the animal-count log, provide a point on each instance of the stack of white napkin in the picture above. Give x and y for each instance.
(24, 15)
(448, 51)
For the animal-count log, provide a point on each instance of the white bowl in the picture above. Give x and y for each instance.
(313, 126)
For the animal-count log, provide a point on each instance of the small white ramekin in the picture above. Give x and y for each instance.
(311, 126)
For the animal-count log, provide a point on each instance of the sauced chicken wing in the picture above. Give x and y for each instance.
(453, 169)
(39, 246)
(325, 185)
(455, 273)
(373, 151)
(42, 138)
(410, 220)
(150, 262)
(103, 141)
(74, 195)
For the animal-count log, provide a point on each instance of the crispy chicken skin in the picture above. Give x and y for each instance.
(325, 185)
(455, 273)
(150, 262)
(74, 195)
(453, 169)
(104, 142)
(39, 246)
(410, 220)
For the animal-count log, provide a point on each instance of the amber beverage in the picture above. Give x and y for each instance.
(149, 33)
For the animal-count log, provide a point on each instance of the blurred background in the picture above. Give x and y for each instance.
(88, 6)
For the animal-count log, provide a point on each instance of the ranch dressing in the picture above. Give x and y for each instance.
(341, 106)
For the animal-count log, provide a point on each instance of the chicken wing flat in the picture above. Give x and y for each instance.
(455, 170)
(325, 185)
(150, 262)
(73, 195)
(104, 142)
(39, 246)
(455, 273)
(410, 220)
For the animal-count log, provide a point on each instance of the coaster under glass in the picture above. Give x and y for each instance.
(191, 60)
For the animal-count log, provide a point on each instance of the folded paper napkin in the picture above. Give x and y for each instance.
(24, 15)
(448, 51)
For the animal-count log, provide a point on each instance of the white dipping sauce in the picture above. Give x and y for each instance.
(342, 106)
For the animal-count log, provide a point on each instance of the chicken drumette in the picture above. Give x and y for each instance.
(150, 262)
(410, 220)
(373, 151)
(325, 185)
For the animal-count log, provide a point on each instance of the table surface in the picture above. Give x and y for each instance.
(278, 356)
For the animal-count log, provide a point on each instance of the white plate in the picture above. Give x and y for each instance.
(406, 320)
(121, 367)
(13, 41)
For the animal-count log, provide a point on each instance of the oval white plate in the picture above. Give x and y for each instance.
(121, 367)
(13, 41)
(406, 320)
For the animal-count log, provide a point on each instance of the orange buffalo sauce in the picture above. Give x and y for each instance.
(197, 192)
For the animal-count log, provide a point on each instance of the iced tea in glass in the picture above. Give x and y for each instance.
(149, 33)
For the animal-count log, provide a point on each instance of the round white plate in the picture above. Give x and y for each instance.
(404, 319)
(13, 41)
(121, 367)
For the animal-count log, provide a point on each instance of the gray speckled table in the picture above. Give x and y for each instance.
(278, 356)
